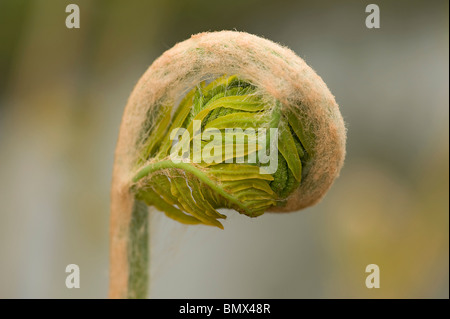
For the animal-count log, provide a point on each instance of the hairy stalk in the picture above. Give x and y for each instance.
(122, 204)
(138, 252)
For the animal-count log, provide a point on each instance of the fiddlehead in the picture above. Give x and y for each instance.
(174, 153)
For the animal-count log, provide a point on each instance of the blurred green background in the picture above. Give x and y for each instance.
(62, 94)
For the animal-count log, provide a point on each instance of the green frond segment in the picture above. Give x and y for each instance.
(224, 167)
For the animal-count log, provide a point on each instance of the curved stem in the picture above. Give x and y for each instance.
(138, 254)
(128, 245)
(121, 212)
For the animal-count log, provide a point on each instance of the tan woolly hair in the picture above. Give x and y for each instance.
(274, 69)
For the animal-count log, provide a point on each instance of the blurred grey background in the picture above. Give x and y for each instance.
(62, 94)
